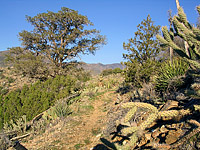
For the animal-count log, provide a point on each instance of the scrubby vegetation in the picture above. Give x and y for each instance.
(142, 52)
(34, 99)
(111, 71)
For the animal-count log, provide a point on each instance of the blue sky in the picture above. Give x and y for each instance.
(116, 19)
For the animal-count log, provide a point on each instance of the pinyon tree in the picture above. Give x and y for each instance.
(142, 51)
(56, 40)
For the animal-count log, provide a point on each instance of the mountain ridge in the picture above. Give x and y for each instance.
(97, 68)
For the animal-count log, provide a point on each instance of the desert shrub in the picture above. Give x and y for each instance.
(62, 108)
(10, 80)
(171, 75)
(3, 91)
(138, 74)
(19, 125)
(107, 72)
(117, 70)
(1, 74)
(83, 75)
(34, 99)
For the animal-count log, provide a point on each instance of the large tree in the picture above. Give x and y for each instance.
(57, 38)
(142, 51)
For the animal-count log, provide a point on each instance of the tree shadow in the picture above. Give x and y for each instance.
(107, 145)
(18, 146)
(124, 89)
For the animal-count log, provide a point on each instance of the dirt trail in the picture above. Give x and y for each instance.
(81, 131)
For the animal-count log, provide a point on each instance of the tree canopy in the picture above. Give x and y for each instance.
(57, 38)
(144, 44)
(142, 51)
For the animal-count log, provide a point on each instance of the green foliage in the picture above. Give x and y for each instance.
(83, 75)
(3, 91)
(57, 39)
(31, 101)
(190, 34)
(138, 74)
(1, 74)
(26, 63)
(62, 108)
(107, 72)
(10, 80)
(171, 75)
(78, 146)
(142, 50)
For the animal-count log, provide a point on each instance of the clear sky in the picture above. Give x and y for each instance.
(117, 19)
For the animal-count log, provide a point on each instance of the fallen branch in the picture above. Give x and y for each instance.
(20, 137)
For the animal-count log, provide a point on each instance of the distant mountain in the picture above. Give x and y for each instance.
(98, 68)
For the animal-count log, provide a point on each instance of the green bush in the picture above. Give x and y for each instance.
(83, 75)
(171, 75)
(31, 101)
(138, 74)
(3, 91)
(1, 74)
(117, 70)
(62, 108)
(107, 72)
(10, 80)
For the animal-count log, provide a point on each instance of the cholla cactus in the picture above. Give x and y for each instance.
(153, 116)
(18, 125)
(189, 33)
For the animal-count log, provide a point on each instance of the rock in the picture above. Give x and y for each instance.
(147, 136)
(163, 129)
(173, 136)
(155, 133)
(143, 141)
(180, 97)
